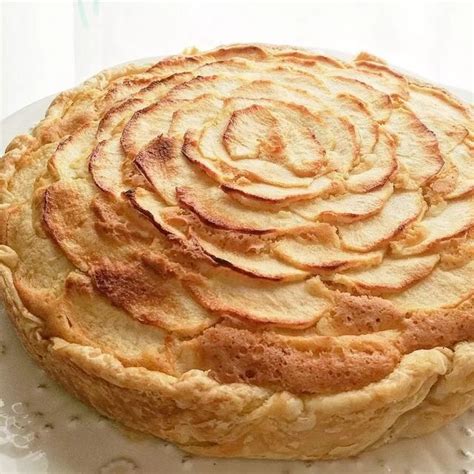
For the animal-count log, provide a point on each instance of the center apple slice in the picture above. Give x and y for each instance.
(254, 132)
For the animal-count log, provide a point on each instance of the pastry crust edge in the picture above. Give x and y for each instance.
(428, 389)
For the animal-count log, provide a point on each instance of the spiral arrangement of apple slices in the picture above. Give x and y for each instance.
(250, 188)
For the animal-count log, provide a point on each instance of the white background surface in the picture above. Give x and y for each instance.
(51, 46)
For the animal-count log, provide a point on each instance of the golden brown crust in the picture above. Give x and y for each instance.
(254, 251)
(241, 356)
(361, 315)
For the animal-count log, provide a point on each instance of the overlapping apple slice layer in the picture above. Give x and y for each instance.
(256, 187)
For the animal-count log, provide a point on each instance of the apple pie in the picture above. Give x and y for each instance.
(255, 251)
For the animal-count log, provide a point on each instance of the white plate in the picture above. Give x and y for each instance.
(45, 430)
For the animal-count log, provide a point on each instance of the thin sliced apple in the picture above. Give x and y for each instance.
(345, 153)
(105, 166)
(152, 208)
(270, 173)
(365, 56)
(224, 248)
(383, 78)
(268, 193)
(151, 297)
(250, 70)
(70, 220)
(248, 130)
(457, 217)
(234, 66)
(391, 276)
(366, 127)
(301, 80)
(218, 209)
(147, 124)
(336, 134)
(379, 77)
(212, 141)
(175, 180)
(256, 132)
(115, 119)
(232, 183)
(417, 147)
(440, 289)
(462, 157)
(298, 304)
(122, 90)
(223, 169)
(157, 89)
(312, 62)
(87, 225)
(67, 218)
(165, 167)
(400, 210)
(254, 264)
(193, 114)
(379, 103)
(300, 87)
(220, 86)
(247, 51)
(345, 208)
(69, 161)
(95, 319)
(291, 91)
(176, 64)
(447, 118)
(377, 168)
(321, 252)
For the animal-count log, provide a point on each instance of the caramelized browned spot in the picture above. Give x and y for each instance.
(238, 355)
(363, 315)
(160, 149)
(153, 297)
(115, 221)
(246, 51)
(64, 126)
(130, 286)
(437, 329)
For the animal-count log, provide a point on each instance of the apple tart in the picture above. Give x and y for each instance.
(256, 251)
